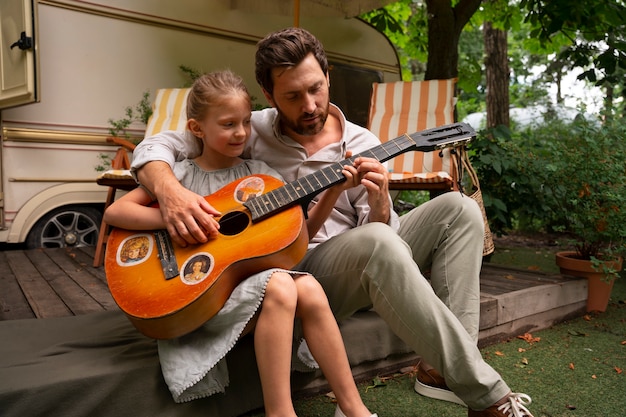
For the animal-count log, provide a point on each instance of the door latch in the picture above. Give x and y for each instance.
(24, 42)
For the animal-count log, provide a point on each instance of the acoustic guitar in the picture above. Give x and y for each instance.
(168, 291)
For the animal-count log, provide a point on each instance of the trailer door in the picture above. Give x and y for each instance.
(18, 53)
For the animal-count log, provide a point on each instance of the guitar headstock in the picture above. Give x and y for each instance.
(443, 137)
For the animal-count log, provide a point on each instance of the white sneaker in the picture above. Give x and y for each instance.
(339, 413)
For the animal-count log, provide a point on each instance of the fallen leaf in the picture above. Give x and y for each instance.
(529, 338)
(587, 317)
(509, 276)
(524, 361)
(570, 407)
(623, 342)
(571, 366)
(594, 377)
(618, 370)
(534, 268)
(331, 395)
(499, 353)
(521, 350)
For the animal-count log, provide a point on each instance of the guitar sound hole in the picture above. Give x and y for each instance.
(233, 223)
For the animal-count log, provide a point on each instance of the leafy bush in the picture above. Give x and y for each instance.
(561, 177)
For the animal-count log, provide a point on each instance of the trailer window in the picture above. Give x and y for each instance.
(350, 89)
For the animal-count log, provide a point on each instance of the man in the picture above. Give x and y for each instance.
(364, 255)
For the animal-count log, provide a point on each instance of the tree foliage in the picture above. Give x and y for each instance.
(441, 39)
(596, 34)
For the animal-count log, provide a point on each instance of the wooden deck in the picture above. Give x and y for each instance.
(62, 282)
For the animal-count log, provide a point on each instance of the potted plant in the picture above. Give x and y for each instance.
(583, 175)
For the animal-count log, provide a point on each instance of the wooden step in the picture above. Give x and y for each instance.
(516, 301)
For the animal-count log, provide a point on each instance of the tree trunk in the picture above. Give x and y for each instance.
(445, 24)
(497, 72)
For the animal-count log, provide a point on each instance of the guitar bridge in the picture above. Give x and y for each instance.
(166, 254)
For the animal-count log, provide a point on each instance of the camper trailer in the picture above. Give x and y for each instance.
(69, 67)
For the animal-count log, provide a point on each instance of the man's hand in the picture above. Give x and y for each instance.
(374, 178)
(188, 216)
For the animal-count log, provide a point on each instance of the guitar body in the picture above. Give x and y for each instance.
(164, 308)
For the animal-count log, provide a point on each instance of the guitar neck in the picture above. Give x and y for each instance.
(304, 189)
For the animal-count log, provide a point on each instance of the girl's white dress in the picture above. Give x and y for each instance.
(194, 365)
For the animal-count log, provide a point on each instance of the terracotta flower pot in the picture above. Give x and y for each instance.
(599, 290)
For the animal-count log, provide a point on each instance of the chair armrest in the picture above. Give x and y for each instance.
(121, 142)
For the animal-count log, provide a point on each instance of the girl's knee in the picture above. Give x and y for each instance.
(311, 295)
(281, 291)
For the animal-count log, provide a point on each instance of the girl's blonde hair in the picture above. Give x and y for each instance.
(208, 89)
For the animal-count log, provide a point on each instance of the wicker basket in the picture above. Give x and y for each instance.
(476, 194)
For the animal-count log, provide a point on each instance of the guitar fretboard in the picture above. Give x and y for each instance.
(305, 188)
(310, 185)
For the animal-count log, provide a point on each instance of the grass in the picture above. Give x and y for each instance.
(573, 369)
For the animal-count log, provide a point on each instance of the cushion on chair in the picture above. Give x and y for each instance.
(116, 174)
(408, 107)
(169, 111)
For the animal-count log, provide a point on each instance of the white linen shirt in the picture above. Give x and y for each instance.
(287, 157)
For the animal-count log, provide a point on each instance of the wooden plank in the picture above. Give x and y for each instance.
(493, 270)
(532, 300)
(507, 280)
(76, 298)
(13, 303)
(41, 297)
(84, 258)
(91, 284)
(541, 320)
(488, 312)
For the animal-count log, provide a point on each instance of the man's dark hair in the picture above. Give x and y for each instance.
(285, 48)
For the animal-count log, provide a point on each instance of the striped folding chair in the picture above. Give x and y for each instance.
(407, 107)
(169, 111)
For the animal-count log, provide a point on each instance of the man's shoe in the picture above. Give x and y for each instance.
(430, 383)
(512, 406)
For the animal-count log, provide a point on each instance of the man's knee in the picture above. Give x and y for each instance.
(465, 209)
(378, 237)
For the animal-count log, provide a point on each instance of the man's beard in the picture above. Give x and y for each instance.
(304, 129)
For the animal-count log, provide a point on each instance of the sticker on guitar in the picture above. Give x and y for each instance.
(250, 187)
(197, 268)
(135, 249)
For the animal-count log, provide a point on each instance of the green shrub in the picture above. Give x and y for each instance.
(565, 177)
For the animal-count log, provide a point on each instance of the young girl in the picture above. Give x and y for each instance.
(218, 114)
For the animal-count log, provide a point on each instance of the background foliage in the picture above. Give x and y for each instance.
(557, 177)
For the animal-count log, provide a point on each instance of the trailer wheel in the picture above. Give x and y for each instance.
(66, 226)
